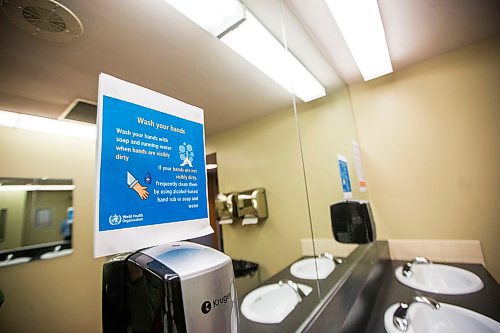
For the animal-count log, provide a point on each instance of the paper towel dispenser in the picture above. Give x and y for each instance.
(352, 222)
(177, 287)
(246, 205)
(252, 203)
(225, 206)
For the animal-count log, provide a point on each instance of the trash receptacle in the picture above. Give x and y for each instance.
(246, 274)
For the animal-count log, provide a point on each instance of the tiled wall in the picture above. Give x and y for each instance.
(456, 251)
(323, 245)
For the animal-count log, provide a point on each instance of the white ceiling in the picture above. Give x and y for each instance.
(150, 44)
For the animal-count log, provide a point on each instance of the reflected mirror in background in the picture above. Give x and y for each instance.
(36, 217)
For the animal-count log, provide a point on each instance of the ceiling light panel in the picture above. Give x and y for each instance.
(215, 16)
(15, 188)
(360, 23)
(241, 31)
(257, 45)
(47, 125)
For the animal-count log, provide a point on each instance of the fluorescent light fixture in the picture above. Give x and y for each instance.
(360, 23)
(257, 45)
(25, 188)
(8, 119)
(251, 40)
(215, 16)
(47, 125)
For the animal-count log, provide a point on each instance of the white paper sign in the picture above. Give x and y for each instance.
(358, 164)
(151, 177)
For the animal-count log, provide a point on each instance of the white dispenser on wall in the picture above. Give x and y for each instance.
(176, 287)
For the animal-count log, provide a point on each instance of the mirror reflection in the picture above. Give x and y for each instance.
(329, 139)
(36, 219)
(252, 124)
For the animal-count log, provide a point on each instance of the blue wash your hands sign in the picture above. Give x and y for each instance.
(151, 177)
(344, 176)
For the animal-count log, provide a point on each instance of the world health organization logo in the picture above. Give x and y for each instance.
(115, 219)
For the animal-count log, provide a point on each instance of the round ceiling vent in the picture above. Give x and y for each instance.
(44, 19)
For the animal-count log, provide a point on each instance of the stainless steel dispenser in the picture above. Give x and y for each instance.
(225, 207)
(176, 287)
(252, 203)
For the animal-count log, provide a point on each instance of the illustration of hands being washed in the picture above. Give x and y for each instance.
(134, 184)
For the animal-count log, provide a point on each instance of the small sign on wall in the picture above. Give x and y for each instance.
(358, 164)
(151, 177)
(43, 217)
(344, 176)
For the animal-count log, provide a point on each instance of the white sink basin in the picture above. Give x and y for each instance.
(306, 268)
(15, 261)
(55, 254)
(449, 318)
(441, 279)
(271, 304)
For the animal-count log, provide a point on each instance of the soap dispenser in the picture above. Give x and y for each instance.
(352, 222)
(177, 287)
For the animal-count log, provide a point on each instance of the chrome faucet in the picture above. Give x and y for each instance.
(399, 319)
(408, 266)
(300, 294)
(331, 257)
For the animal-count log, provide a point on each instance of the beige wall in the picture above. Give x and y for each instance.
(14, 202)
(264, 153)
(327, 128)
(431, 140)
(61, 294)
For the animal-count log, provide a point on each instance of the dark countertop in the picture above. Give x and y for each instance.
(486, 301)
(362, 289)
(305, 308)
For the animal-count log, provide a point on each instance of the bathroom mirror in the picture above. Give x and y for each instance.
(305, 188)
(331, 155)
(36, 217)
(250, 121)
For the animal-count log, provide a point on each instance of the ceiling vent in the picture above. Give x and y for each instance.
(44, 19)
(81, 110)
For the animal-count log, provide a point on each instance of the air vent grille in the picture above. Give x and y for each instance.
(81, 110)
(44, 19)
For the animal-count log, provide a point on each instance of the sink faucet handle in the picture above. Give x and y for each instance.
(331, 257)
(427, 300)
(295, 287)
(418, 260)
(400, 319)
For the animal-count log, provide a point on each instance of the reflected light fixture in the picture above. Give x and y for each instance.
(29, 187)
(238, 28)
(211, 166)
(361, 26)
(47, 125)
